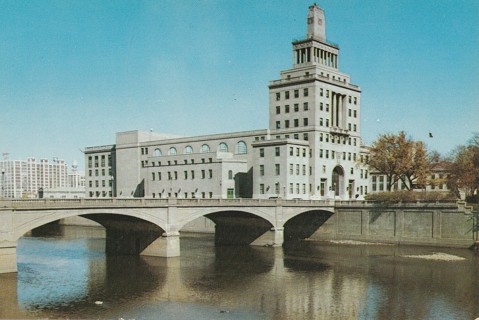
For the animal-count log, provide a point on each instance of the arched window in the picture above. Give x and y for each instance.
(241, 148)
(230, 174)
(223, 147)
(172, 151)
(205, 148)
(157, 152)
(188, 150)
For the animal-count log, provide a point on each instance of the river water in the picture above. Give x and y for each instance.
(66, 274)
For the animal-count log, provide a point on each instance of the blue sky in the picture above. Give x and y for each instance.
(72, 73)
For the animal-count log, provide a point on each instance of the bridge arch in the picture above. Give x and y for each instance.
(99, 215)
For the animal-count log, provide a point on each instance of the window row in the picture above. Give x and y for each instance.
(100, 194)
(325, 153)
(300, 169)
(186, 195)
(240, 148)
(277, 169)
(295, 108)
(295, 123)
(277, 152)
(262, 189)
(103, 183)
(173, 175)
(98, 172)
(100, 161)
(339, 139)
(295, 94)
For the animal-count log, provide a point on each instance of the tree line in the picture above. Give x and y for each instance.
(400, 158)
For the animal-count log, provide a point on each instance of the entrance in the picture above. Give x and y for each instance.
(337, 181)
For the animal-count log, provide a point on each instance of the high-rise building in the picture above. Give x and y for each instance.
(312, 149)
(24, 178)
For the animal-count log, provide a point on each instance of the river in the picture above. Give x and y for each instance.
(64, 273)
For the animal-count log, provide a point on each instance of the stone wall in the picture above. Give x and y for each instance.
(438, 224)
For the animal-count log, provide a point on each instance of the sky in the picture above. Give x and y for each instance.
(73, 73)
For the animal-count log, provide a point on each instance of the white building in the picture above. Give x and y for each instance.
(312, 149)
(24, 178)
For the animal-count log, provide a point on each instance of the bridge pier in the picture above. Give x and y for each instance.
(8, 259)
(168, 245)
(273, 237)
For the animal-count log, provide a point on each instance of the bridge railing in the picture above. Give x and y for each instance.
(150, 202)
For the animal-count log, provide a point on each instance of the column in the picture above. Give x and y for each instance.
(271, 238)
(168, 245)
(8, 259)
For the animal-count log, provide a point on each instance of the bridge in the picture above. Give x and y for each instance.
(152, 226)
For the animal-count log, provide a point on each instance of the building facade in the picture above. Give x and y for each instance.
(25, 178)
(311, 150)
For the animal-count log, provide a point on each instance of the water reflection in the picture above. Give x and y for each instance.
(63, 277)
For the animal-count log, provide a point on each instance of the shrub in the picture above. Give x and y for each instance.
(410, 196)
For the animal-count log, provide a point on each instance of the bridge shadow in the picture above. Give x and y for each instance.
(305, 225)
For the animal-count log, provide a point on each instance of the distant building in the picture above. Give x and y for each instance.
(24, 178)
(312, 149)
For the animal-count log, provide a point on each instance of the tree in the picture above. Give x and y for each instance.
(400, 158)
(464, 168)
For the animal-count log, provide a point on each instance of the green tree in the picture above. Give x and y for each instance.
(400, 158)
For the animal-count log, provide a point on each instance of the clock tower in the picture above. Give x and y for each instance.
(316, 23)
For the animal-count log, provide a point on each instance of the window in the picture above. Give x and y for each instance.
(381, 183)
(291, 188)
(305, 106)
(276, 151)
(90, 162)
(327, 107)
(176, 175)
(305, 92)
(192, 174)
(103, 160)
(261, 170)
(286, 123)
(188, 150)
(278, 125)
(210, 173)
(286, 108)
(277, 169)
(261, 188)
(305, 122)
(185, 174)
(203, 174)
(297, 169)
(305, 136)
(354, 128)
(291, 151)
(230, 174)
(278, 96)
(278, 109)
(296, 107)
(296, 123)
(261, 152)
(320, 153)
(172, 151)
(286, 95)
(349, 112)
(223, 147)
(241, 148)
(276, 188)
(205, 148)
(296, 93)
(327, 93)
(320, 106)
(304, 169)
(321, 92)
(321, 121)
(355, 100)
(355, 113)
(291, 169)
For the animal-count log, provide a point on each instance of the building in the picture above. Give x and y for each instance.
(25, 178)
(311, 150)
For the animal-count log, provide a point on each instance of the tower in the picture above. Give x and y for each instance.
(316, 103)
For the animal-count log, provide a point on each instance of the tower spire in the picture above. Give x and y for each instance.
(316, 23)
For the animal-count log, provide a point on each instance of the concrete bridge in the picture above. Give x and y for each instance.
(151, 226)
